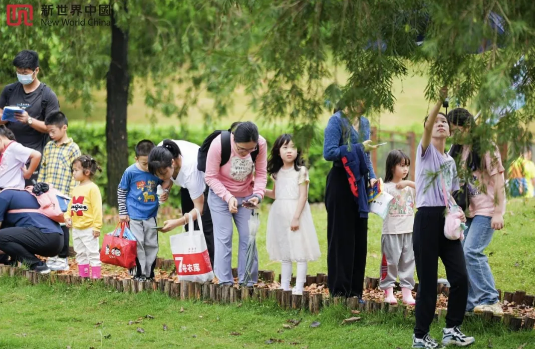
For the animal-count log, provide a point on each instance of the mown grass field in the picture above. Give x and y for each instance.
(90, 316)
(510, 253)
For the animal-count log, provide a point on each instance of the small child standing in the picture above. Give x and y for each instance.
(291, 235)
(84, 215)
(56, 169)
(13, 158)
(138, 204)
(396, 241)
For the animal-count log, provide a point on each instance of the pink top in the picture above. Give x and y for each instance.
(481, 188)
(236, 178)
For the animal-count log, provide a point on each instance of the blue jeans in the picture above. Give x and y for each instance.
(481, 289)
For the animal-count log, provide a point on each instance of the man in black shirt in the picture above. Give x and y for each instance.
(37, 100)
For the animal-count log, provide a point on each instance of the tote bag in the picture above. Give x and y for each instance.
(190, 254)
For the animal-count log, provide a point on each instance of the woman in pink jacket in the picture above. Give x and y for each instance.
(239, 182)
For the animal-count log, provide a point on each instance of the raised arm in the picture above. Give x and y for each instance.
(430, 123)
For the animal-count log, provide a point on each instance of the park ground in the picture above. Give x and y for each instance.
(90, 316)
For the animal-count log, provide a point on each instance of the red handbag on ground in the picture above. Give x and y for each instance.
(117, 249)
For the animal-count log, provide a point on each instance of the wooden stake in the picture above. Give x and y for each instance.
(508, 297)
(375, 283)
(515, 324)
(269, 276)
(305, 300)
(353, 303)
(183, 290)
(175, 290)
(191, 290)
(518, 297)
(529, 300)
(310, 280)
(225, 294)
(213, 292)
(297, 301)
(507, 318)
(488, 315)
(133, 285)
(529, 323)
(315, 303)
(278, 293)
(233, 295)
(126, 285)
(287, 299)
(338, 300)
(198, 291)
(499, 294)
(218, 293)
(367, 283)
(206, 291)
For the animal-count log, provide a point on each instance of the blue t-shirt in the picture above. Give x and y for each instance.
(142, 200)
(17, 200)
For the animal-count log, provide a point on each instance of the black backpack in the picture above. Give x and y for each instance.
(225, 149)
(44, 98)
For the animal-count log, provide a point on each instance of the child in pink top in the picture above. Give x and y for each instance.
(234, 187)
(13, 158)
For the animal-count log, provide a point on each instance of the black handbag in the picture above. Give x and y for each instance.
(461, 197)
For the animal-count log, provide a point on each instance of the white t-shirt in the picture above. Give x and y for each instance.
(13, 159)
(189, 177)
(400, 218)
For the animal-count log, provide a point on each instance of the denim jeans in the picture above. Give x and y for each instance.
(481, 289)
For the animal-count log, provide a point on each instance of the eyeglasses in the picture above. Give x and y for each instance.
(244, 150)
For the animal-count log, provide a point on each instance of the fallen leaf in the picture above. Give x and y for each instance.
(295, 343)
(287, 326)
(489, 345)
(149, 317)
(294, 322)
(164, 327)
(239, 305)
(102, 302)
(356, 312)
(194, 336)
(522, 346)
(315, 324)
(235, 333)
(200, 316)
(98, 324)
(68, 347)
(108, 336)
(351, 320)
(140, 330)
(273, 340)
(181, 309)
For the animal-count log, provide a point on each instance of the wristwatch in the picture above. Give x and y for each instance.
(30, 120)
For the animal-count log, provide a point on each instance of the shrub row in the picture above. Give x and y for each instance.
(91, 138)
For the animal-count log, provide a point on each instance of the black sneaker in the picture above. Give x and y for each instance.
(41, 268)
(454, 336)
(427, 342)
(140, 278)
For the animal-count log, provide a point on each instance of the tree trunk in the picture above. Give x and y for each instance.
(118, 82)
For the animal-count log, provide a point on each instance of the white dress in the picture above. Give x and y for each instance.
(282, 243)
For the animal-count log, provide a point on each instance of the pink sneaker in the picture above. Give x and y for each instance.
(407, 296)
(95, 272)
(83, 270)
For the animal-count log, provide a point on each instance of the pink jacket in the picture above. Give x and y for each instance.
(236, 178)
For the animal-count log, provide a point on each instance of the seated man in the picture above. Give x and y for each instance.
(24, 235)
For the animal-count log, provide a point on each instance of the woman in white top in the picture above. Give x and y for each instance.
(177, 160)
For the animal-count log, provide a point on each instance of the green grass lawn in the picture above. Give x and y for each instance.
(511, 253)
(90, 316)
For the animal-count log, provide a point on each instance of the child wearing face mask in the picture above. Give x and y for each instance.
(291, 235)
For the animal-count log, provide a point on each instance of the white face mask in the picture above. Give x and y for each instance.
(25, 79)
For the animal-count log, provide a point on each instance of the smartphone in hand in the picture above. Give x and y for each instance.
(249, 205)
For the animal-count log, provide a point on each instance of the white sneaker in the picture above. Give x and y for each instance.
(425, 343)
(51, 261)
(495, 308)
(61, 264)
(454, 336)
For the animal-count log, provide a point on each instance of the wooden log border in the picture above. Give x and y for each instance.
(313, 302)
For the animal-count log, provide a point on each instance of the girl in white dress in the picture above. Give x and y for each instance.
(291, 236)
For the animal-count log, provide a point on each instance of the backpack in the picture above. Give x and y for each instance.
(53, 204)
(225, 149)
(44, 97)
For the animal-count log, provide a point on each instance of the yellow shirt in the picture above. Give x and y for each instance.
(85, 207)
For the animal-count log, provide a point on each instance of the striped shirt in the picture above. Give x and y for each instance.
(56, 165)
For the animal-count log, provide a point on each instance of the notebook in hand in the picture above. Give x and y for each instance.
(9, 113)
